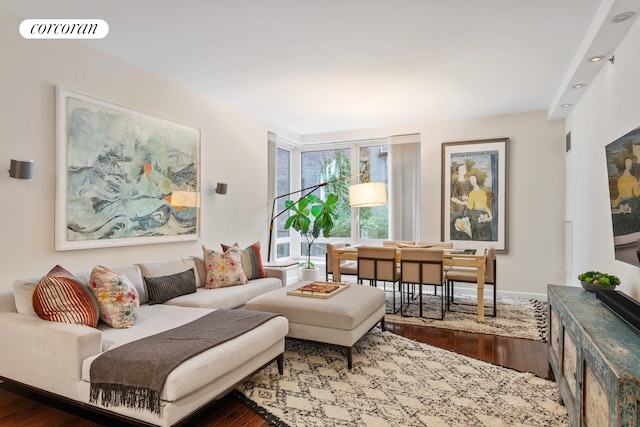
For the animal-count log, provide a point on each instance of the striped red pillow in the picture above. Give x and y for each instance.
(62, 297)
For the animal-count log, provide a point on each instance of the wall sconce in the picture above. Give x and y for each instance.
(21, 169)
(221, 188)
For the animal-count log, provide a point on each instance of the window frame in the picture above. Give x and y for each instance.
(294, 165)
(296, 151)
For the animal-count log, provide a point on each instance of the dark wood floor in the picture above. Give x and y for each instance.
(23, 408)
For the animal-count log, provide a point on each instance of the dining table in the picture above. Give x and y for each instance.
(469, 258)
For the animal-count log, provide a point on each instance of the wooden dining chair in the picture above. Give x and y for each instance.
(469, 275)
(378, 263)
(421, 266)
(349, 268)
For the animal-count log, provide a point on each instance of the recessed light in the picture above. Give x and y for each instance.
(566, 105)
(596, 58)
(579, 85)
(621, 17)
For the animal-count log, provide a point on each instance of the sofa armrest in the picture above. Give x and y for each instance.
(45, 355)
(277, 273)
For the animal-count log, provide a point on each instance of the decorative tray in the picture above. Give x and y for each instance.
(319, 290)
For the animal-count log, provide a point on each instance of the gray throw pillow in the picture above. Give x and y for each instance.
(163, 288)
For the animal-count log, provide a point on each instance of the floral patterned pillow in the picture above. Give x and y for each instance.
(116, 296)
(251, 260)
(224, 269)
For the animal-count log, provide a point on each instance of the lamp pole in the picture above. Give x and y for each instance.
(273, 208)
(311, 190)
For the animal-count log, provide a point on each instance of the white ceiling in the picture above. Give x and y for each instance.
(316, 66)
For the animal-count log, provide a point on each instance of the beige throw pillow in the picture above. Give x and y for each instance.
(116, 296)
(224, 269)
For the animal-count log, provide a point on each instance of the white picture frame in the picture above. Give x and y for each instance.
(116, 169)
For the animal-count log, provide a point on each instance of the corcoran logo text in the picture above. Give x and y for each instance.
(64, 29)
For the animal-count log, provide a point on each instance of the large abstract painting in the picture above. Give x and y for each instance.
(623, 166)
(117, 171)
(474, 193)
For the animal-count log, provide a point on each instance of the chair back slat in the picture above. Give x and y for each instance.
(377, 263)
(329, 256)
(422, 266)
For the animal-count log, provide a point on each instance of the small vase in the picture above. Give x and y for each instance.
(592, 288)
(309, 274)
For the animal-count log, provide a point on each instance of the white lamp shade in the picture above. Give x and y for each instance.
(185, 199)
(368, 194)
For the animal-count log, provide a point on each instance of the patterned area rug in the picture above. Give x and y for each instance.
(398, 382)
(517, 317)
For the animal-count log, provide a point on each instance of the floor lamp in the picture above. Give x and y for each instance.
(360, 195)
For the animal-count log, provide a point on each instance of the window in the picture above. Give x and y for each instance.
(283, 186)
(374, 221)
(376, 160)
(320, 166)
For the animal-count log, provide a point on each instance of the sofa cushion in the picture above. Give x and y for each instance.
(133, 273)
(116, 296)
(229, 297)
(251, 261)
(23, 295)
(163, 288)
(201, 270)
(61, 297)
(203, 368)
(168, 267)
(224, 269)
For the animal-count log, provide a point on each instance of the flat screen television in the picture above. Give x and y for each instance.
(623, 305)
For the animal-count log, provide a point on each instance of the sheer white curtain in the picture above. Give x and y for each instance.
(404, 187)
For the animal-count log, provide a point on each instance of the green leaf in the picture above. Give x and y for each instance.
(311, 216)
(332, 199)
(603, 279)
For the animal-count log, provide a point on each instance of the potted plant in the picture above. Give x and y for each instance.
(596, 281)
(311, 216)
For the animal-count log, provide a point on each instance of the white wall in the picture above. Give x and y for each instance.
(536, 191)
(609, 109)
(233, 150)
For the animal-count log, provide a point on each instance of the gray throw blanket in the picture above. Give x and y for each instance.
(134, 374)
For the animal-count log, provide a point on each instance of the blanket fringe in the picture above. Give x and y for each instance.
(128, 396)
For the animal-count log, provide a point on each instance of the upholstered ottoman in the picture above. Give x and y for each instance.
(340, 320)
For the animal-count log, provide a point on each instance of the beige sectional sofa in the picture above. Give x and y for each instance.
(56, 357)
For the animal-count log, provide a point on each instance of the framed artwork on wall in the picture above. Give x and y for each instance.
(623, 170)
(123, 177)
(474, 193)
